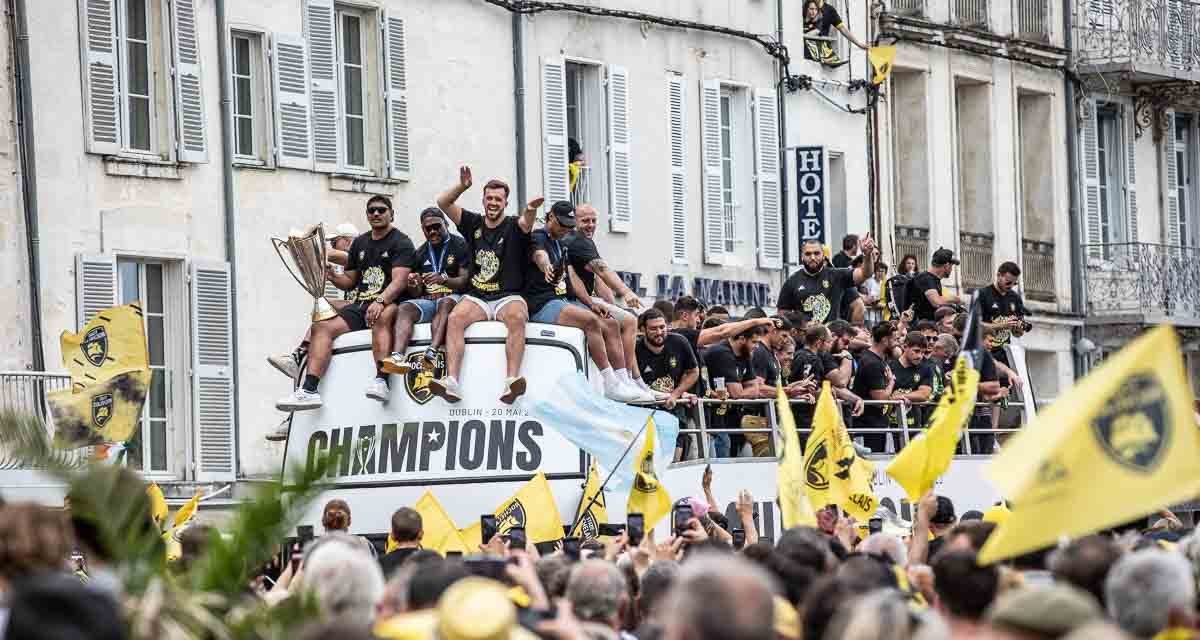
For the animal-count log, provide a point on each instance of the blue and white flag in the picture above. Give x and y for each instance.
(603, 428)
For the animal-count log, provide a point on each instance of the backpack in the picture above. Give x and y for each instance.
(898, 293)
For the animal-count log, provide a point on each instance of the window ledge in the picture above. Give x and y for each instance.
(363, 184)
(139, 168)
(253, 164)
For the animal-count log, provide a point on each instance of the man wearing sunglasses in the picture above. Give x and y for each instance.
(440, 273)
(499, 249)
(377, 268)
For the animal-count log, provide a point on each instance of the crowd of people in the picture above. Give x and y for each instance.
(711, 577)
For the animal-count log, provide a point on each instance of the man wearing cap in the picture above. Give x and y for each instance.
(546, 294)
(440, 272)
(499, 248)
(817, 288)
(925, 290)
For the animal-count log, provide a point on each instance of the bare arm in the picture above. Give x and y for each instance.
(447, 199)
(920, 394)
(840, 377)
(870, 252)
(850, 36)
(686, 382)
(529, 215)
(337, 257)
(918, 547)
(614, 282)
(713, 335)
(345, 280)
(604, 292)
(936, 298)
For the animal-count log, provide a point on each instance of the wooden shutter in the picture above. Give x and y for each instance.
(95, 286)
(556, 184)
(322, 59)
(1090, 159)
(677, 125)
(710, 134)
(98, 43)
(766, 170)
(189, 95)
(395, 52)
(1171, 199)
(1131, 202)
(620, 185)
(212, 371)
(289, 77)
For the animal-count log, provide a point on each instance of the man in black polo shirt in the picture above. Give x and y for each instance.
(817, 288)
(874, 381)
(1002, 310)
(499, 246)
(925, 290)
(913, 379)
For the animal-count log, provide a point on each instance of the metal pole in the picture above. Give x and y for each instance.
(230, 214)
(19, 22)
(518, 38)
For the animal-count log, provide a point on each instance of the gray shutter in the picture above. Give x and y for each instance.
(710, 134)
(677, 125)
(95, 286)
(98, 44)
(1131, 203)
(212, 371)
(1171, 198)
(1090, 158)
(189, 96)
(619, 160)
(766, 170)
(395, 51)
(322, 60)
(289, 75)
(556, 182)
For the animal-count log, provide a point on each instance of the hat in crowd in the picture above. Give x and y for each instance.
(564, 212)
(943, 256)
(478, 609)
(415, 625)
(432, 212)
(344, 230)
(699, 507)
(942, 312)
(973, 514)
(944, 513)
(787, 621)
(1052, 611)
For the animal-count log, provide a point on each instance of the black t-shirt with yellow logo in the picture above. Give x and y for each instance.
(908, 379)
(663, 370)
(450, 258)
(818, 295)
(537, 291)
(498, 255)
(374, 260)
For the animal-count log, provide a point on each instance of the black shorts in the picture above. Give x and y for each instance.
(355, 315)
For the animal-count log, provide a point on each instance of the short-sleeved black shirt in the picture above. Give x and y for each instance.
(450, 258)
(693, 338)
(937, 378)
(537, 291)
(804, 364)
(909, 379)
(994, 305)
(374, 260)
(923, 309)
(663, 370)
(498, 256)
(766, 365)
(723, 363)
(581, 252)
(871, 376)
(818, 295)
(830, 19)
(841, 260)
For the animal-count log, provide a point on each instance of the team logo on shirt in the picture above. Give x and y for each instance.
(818, 307)
(449, 261)
(362, 255)
(102, 409)
(673, 362)
(825, 284)
(664, 384)
(1135, 428)
(373, 277)
(478, 234)
(95, 346)
(416, 381)
(488, 265)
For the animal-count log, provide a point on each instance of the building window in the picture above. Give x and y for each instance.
(1109, 155)
(351, 56)
(586, 134)
(727, 170)
(137, 91)
(145, 281)
(248, 108)
(1184, 166)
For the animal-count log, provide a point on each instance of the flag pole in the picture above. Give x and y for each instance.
(600, 491)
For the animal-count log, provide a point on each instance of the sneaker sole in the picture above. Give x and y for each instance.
(296, 407)
(391, 367)
(375, 396)
(515, 391)
(284, 369)
(276, 437)
(439, 390)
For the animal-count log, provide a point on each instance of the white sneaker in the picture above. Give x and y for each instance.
(513, 388)
(286, 364)
(658, 395)
(281, 432)
(446, 388)
(620, 393)
(299, 400)
(641, 384)
(642, 396)
(378, 390)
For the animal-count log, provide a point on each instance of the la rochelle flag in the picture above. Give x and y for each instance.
(591, 512)
(603, 428)
(648, 496)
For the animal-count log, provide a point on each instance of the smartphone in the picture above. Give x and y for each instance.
(486, 567)
(680, 516)
(739, 538)
(609, 530)
(304, 535)
(874, 525)
(453, 554)
(571, 548)
(636, 526)
(487, 527)
(516, 538)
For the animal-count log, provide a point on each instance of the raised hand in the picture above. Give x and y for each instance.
(464, 177)
(536, 203)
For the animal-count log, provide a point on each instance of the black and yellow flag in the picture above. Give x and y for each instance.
(106, 412)
(648, 496)
(1119, 445)
(881, 63)
(794, 504)
(588, 522)
(833, 471)
(534, 508)
(113, 341)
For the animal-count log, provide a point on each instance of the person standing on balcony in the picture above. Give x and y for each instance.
(1002, 311)
(817, 288)
(925, 291)
(820, 18)
(574, 165)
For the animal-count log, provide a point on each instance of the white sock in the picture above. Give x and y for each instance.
(623, 375)
(609, 377)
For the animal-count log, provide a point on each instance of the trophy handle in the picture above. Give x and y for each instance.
(276, 242)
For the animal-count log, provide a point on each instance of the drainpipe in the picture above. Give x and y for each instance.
(230, 214)
(1078, 307)
(19, 27)
(781, 117)
(518, 56)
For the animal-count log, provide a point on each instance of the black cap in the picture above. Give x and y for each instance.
(943, 256)
(564, 212)
(945, 511)
(971, 515)
(432, 212)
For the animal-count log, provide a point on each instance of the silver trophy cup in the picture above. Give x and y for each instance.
(307, 266)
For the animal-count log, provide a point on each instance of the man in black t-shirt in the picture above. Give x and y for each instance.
(441, 270)
(843, 258)
(813, 361)
(666, 359)
(377, 268)
(874, 381)
(499, 248)
(820, 19)
(766, 365)
(914, 383)
(817, 288)
(1002, 311)
(925, 290)
(731, 376)
(686, 321)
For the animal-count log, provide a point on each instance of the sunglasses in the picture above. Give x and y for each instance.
(377, 209)
(432, 228)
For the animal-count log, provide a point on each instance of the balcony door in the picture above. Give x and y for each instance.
(1109, 155)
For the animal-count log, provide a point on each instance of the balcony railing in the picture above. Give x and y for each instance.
(25, 393)
(581, 193)
(976, 250)
(1031, 20)
(1148, 282)
(912, 241)
(907, 7)
(1037, 270)
(971, 13)
(1152, 36)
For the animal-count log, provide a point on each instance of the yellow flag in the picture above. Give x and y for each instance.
(596, 514)
(158, 504)
(113, 341)
(648, 496)
(440, 534)
(881, 62)
(472, 537)
(187, 511)
(108, 411)
(859, 498)
(1119, 445)
(833, 472)
(928, 456)
(793, 498)
(533, 507)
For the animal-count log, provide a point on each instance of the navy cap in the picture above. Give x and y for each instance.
(564, 212)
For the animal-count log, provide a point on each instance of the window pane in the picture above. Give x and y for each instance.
(139, 69)
(154, 288)
(127, 274)
(158, 394)
(354, 100)
(135, 19)
(244, 97)
(241, 56)
(139, 123)
(158, 445)
(351, 41)
(354, 142)
(154, 338)
(245, 137)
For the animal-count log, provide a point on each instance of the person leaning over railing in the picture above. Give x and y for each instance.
(914, 383)
(814, 361)
(874, 381)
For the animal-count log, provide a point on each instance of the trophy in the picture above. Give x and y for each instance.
(307, 250)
